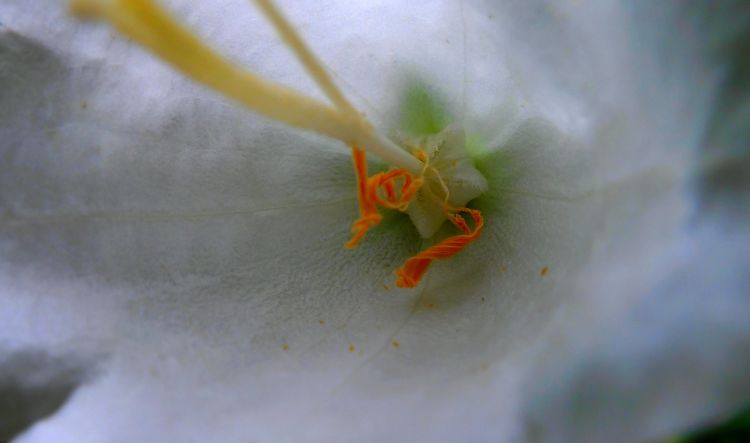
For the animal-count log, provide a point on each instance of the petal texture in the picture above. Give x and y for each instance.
(197, 250)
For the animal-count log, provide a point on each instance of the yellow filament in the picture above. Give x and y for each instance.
(308, 59)
(152, 27)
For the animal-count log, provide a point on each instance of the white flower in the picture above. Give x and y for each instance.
(176, 263)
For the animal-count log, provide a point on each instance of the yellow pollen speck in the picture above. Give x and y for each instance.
(285, 347)
(544, 271)
(322, 322)
(395, 343)
(503, 268)
(351, 347)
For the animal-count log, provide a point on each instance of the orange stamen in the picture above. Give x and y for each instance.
(368, 212)
(409, 275)
(380, 189)
(383, 189)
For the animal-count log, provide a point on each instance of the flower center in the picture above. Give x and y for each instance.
(432, 183)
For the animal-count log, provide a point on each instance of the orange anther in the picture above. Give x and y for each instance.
(380, 189)
(409, 275)
(395, 189)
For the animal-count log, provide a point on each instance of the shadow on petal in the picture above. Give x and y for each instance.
(35, 384)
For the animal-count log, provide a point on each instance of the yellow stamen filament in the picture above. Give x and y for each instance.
(152, 27)
(309, 61)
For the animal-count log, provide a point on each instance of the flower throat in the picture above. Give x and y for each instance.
(432, 182)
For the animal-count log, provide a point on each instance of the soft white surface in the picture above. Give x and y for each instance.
(183, 241)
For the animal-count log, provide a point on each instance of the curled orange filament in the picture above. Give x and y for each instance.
(395, 189)
(408, 276)
(381, 189)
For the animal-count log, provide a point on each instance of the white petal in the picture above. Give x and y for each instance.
(189, 241)
(677, 361)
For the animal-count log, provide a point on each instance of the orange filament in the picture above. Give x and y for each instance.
(380, 189)
(368, 213)
(395, 189)
(409, 275)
